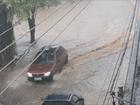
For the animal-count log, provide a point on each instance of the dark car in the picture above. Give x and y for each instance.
(56, 99)
(48, 63)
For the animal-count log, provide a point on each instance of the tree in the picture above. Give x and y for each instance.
(8, 37)
(28, 8)
(23, 9)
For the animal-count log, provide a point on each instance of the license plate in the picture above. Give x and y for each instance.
(38, 79)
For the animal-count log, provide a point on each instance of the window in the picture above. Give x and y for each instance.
(42, 59)
(74, 99)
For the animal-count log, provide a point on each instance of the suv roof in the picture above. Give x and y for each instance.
(56, 97)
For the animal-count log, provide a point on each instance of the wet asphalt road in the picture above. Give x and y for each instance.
(93, 41)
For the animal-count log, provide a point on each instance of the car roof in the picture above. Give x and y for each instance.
(50, 47)
(58, 97)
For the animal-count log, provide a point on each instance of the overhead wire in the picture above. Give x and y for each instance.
(118, 58)
(25, 69)
(136, 20)
(10, 28)
(56, 38)
(7, 30)
(130, 64)
(24, 34)
(129, 27)
(104, 83)
(125, 47)
(13, 60)
(134, 80)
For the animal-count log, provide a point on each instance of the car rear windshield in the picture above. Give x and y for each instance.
(56, 103)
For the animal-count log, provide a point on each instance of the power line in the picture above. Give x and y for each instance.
(16, 23)
(114, 70)
(103, 84)
(10, 28)
(49, 30)
(117, 78)
(133, 85)
(125, 47)
(22, 35)
(39, 38)
(41, 52)
(117, 60)
(129, 32)
(136, 18)
(72, 21)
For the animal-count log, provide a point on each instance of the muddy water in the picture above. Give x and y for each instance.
(93, 41)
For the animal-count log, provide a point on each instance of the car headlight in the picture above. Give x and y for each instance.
(47, 74)
(29, 74)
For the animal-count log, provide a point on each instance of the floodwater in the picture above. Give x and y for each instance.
(93, 40)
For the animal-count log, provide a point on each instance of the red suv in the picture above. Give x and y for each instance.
(48, 63)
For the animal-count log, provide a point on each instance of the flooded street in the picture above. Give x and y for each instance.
(93, 38)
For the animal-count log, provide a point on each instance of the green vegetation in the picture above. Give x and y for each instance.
(26, 9)
(23, 10)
